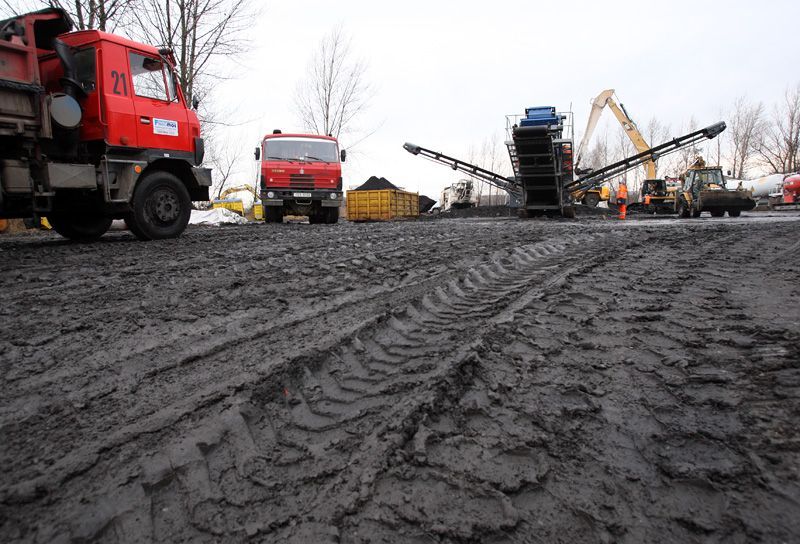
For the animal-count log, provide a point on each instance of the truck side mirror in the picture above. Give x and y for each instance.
(257, 153)
(195, 103)
(729, 172)
(343, 155)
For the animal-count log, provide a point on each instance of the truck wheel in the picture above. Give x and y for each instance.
(273, 214)
(683, 208)
(591, 199)
(331, 215)
(80, 228)
(161, 207)
(734, 213)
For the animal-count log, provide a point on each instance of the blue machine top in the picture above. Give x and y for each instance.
(539, 116)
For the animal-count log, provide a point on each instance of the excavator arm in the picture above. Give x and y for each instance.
(606, 99)
(238, 188)
(594, 116)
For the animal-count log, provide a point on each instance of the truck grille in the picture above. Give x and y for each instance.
(301, 181)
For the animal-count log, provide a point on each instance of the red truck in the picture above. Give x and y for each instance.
(301, 174)
(94, 127)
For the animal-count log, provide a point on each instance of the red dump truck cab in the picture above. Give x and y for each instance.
(94, 127)
(132, 97)
(301, 174)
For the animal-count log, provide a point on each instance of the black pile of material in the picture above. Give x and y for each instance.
(425, 203)
(375, 184)
(481, 211)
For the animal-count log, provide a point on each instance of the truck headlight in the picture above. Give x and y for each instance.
(333, 196)
(270, 194)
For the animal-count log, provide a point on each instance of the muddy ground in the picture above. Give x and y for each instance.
(478, 380)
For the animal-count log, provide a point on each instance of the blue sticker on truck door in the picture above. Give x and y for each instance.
(165, 127)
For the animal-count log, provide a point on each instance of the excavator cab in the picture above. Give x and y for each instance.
(654, 187)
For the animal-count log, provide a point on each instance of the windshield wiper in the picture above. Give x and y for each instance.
(282, 158)
(313, 158)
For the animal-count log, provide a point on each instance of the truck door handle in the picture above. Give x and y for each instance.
(144, 120)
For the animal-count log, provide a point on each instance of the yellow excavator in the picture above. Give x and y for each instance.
(235, 204)
(656, 194)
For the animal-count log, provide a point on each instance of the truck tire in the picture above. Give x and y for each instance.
(591, 199)
(80, 228)
(273, 214)
(161, 207)
(317, 214)
(683, 208)
(734, 213)
(331, 215)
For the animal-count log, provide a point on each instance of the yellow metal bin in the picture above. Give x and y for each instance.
(381, 205)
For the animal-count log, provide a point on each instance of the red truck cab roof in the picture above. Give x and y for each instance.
(85, 37)
(292, 135)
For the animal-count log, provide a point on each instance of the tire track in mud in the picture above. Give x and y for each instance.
(141, 415)
(307, 445)
(612, 411)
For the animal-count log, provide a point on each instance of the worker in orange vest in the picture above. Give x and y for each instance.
(622, 199)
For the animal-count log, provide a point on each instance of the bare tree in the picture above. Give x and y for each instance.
(744, 126)
(686, 156)
(335, 90)
(656, 133)
(494, 157)
(198, 32)
(105, 15)
(623, 147)
(714, 149)
(9, 8)
(779, 143)
(223, 157)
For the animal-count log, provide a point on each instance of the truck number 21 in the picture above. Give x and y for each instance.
(119, 78)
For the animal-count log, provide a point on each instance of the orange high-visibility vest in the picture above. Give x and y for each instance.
(622, 193)
(647, 200)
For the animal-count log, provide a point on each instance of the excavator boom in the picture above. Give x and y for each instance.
(606, 99)
(230, 190)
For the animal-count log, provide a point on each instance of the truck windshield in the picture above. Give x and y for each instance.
(300, 149)
(710, 177)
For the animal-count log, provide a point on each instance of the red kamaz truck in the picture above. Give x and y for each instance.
(94, 127)
(301, 174)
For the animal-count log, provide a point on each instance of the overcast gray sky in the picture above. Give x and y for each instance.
(446, 73)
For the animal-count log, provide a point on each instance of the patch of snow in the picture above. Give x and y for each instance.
(217, 216)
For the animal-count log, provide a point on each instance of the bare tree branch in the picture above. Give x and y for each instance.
(778, 145)
(745, 124)
(335, 92)
(199, 32)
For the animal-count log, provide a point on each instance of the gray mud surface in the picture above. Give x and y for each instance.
(476, 380)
